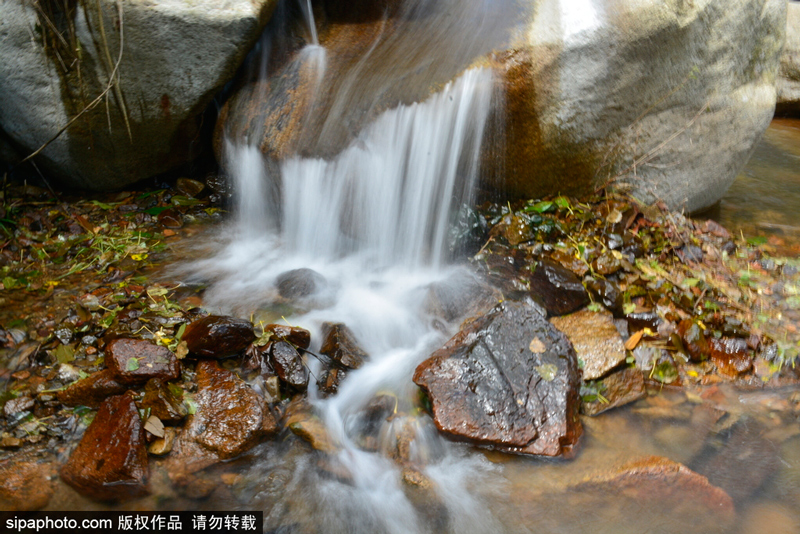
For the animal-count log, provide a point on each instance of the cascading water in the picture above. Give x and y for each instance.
(373, 222)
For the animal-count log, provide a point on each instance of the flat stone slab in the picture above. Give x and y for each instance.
(596, 341)
(135, 361)
(508, 380)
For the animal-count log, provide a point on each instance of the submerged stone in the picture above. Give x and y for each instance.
(218, 336)
(731, 355)
(595, 339)
(26, 480)
(507, 380)
(92, 390)
(617, 389)
(134, 361)
(110, 462)
(461, 296)
(557, 288)
(300, 283)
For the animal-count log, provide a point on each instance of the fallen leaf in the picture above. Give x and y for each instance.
(633, 341)
(536, 346)
(154, 426)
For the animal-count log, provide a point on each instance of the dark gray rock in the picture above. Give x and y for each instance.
(508, 380)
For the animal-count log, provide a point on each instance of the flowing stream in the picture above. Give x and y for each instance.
(372, 222)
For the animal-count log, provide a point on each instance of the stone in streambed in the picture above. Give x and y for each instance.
(300, 283)
(162, 403)
(461, 296)
(26, 480)
(288, 364)
(110, 462)
(557, 288)
(595, 339)
(218, 336)
(230, 418)
(341, 345)
(299, 337)
(618, 389)
(135, 361)
(92, 390)
(507, 380)
(731, 355)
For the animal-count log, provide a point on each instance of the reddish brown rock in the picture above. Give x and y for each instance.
(162, 402)
(135, 361)
(110, 462)
(341, 345)
(92, 390)
(26, 481)
(596, 341)
(288, 364)
(731, 355)
(299, 337)
(218, 336)
(694, 340)
(230, 419)
(329, 379)
(508, 380)
(660, 480)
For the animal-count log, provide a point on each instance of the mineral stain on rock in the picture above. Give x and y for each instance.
(486, 385)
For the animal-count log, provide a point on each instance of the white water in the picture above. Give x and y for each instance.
(374, 222)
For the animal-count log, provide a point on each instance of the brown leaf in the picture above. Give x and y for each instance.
(634, 340)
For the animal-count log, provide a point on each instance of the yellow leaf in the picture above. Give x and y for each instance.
(139, 257)
(52, 283)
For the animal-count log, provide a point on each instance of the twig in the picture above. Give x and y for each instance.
(91, 105)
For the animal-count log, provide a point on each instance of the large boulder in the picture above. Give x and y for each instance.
(666, 98)
(789, 73)
(168, 59)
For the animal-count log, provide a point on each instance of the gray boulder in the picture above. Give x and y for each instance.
(668, 98)
(167, 58)
(789, 73)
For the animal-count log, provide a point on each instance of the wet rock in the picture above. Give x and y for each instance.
(218, 336)
(640, 320)
(288, 364)
(92, 390)
(662, 483)
(330, 378)
(743, 462)
(15, 407)
(230, 419)
(163, 445)
(170, 218)
(299, 337)
(341, 345)
(608, 293)
(607, 263)
(110, 462)
(135, 361)
(26, 481)
(557, 288)
(188, 187)
(162, 403)
(507, 380)
(617, 389)
(774, 517)
(731, 355)
(302, 421)
(694, 340)
(595, 339)
(515, 230)
(300, 283)
(460, 297)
